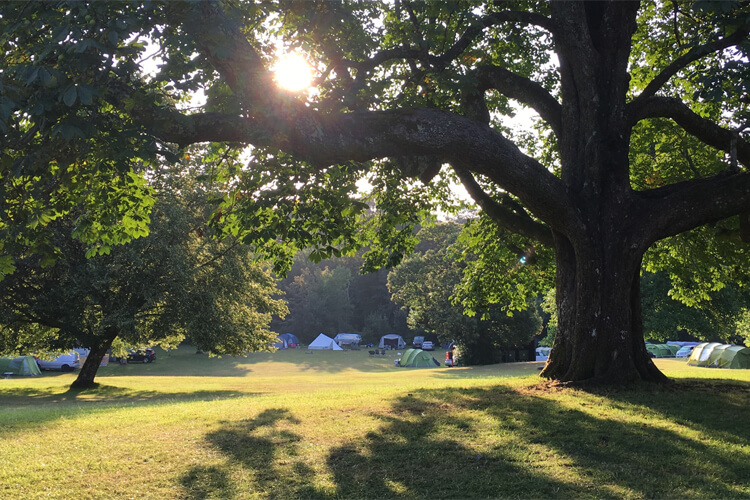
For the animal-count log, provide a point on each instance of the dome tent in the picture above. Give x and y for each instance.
(23, 365)
(281, 343)
(659, 350)
(392, 341)
(291, 339)
(717, 355)
(417, 358)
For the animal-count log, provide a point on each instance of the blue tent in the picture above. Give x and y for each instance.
(291, 339)
(281, 344)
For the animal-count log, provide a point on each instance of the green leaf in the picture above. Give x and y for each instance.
(85, 95)
(31, 76)
(45, 78)
(69, 98)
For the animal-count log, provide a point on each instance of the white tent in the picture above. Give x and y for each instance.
(324, 342)
(393, 340)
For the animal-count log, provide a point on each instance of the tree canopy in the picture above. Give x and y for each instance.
(641, 135)
(425, 284)
(177, 282)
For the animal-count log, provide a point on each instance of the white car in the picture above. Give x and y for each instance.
(64, 362)
(542, 353)
(428, 346)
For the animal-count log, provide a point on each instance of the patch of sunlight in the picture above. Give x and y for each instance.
(398, 488)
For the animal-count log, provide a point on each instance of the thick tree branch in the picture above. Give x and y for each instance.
(358, 136)
(702, 129)
(686, 205)
(512, 220)
(691, 56)
(366, 135)
(523, 90)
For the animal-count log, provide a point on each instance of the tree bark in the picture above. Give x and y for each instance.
(600, 334)
(90, 367)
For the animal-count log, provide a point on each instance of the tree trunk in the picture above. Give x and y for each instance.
(600, 335)
(89, 369)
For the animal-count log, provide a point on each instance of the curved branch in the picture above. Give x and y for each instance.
(365, 135)
(468, 37)
(523, 90)
(702, 129)
(686, 205)
(493, 19)
(691, 56)
(221, 41)
(325, 139)
(513, 220)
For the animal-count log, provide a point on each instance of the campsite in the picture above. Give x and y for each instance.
(354, 249)
(344, 424)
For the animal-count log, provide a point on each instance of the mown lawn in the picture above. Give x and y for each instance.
(347, 425)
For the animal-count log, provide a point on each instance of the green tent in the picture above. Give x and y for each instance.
(660, 350)
(673, 348)
(24, 365)
(417, 358)
(717, 355)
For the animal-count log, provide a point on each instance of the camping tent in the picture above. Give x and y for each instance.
(323, 341)
(393, 341)
(720, 356)
(24, 365)
(417, 358)
(660, 350)
(673, 348)
(682, 343)
(700, 354)
(291, 339)
(281, 343)
(343, 339)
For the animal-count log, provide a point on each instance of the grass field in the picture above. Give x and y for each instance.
(347, 425)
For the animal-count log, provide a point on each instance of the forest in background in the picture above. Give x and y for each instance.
(333, 296)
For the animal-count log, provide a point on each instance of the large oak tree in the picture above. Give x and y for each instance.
(403, 89)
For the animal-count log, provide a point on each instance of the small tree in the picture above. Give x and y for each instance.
(425, 284)
(713, 318)
(157, 289)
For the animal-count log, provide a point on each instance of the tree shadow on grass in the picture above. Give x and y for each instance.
(104, 394)
(513, 444)
(525, 442)
(255, 446)
(424, 449)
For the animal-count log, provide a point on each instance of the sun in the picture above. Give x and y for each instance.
(293, 72)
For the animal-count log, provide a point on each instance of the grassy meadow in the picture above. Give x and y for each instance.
(347, 425)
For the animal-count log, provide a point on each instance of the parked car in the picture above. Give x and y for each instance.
(428, 346)
(64, 362)
(417, 342)
(542, 353)
(141, 355)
